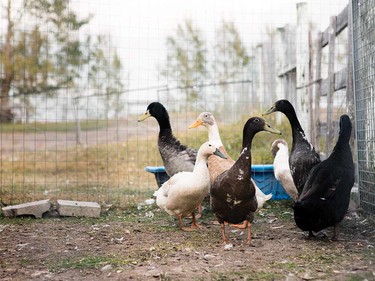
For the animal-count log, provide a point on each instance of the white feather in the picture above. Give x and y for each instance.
(282, 171)
(184, 191)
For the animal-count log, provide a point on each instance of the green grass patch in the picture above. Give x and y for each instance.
(280, 209)
(107, 172)
(85, 125)
(88, 262)
(360, 276)
(249, 275)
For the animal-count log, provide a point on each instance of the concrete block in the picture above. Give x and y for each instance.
(78, 208)
(354, 204)
(36, 208)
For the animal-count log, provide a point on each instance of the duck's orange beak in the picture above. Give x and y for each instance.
(196, 124)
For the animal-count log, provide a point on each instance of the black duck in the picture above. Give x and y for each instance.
(326, 194)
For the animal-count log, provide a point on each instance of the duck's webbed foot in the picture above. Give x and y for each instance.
(242, 225)
(194, 225)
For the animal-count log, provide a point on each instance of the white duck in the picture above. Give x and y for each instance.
(279, 150)
(184, 191)
(217, 165)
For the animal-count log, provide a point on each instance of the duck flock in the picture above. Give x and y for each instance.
(320, 189)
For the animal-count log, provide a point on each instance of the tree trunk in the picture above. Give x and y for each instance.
(6, 114)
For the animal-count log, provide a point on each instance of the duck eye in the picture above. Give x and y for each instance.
(256, 120)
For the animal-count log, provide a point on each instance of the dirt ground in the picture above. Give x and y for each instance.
(143, 243)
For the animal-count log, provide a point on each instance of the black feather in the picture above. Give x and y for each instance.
(326, 194)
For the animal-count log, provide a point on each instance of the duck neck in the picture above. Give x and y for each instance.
(164, 124)
(247, 139)
(200, 164)
(342, 147)
(297, 131)
(284, 149)
(244, 161)
(214, 135)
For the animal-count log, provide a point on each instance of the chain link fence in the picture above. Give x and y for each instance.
(363, 12)
(76, 76)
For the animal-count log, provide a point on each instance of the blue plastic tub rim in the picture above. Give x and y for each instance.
(254, 168)
(262, 168)
(155, 169)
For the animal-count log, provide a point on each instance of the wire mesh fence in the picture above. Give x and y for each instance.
(75, 76)
(364, 81)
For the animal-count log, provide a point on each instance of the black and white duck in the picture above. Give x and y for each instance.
(303, 156)
(176, 156)
(232, 194)
(325, 197)
(217, 165)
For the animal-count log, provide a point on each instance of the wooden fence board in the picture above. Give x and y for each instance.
(341, 24)
(299, 65)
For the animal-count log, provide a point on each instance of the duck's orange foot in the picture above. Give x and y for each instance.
(250, 243)
(196, 225)
(198, 216)
(225, 242)
(189, 229)
(240, 225)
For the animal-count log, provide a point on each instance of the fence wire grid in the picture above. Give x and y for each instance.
(364, 79)
(76, 75)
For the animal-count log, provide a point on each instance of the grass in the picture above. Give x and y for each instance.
(281, 209)
(248, 275)
(360, 277)
(89, 261)
(31, 127)
(109, 172)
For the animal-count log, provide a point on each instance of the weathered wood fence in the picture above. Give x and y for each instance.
(308, 73)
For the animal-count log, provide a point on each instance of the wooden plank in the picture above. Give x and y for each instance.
(340, 82)
(302, 62)
(288, 51)
(342, 20)
(324, 87)
(340, 79)
(341, 23)
(325, 37)
(280, 54)
(317, 88)
(310, 90)
(350, 102)
(331, 83)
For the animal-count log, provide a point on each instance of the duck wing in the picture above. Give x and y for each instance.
(176, 156)
(232, 200)
(217, 165)
(301, 160)
(323, 181)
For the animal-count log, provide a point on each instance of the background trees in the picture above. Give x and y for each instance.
(186, 63)
(43, 52)
(46, 53)
(192, 69)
